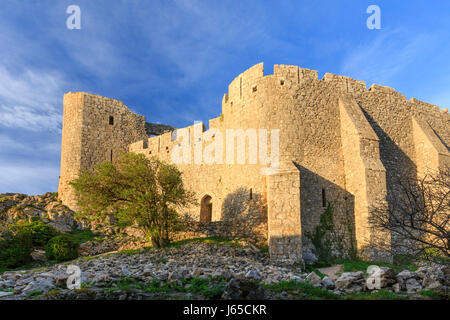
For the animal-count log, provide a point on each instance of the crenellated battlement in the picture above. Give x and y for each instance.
(253, 81)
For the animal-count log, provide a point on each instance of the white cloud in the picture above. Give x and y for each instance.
(30, 100)
(29, 119)
(390, 53)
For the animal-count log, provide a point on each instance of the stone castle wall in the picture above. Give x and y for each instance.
(339, 141)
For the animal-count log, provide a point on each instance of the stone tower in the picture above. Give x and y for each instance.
(95, 129)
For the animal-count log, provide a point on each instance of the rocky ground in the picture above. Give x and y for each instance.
(191, 270)
(16, 206)
(200, 271)
(47, 207)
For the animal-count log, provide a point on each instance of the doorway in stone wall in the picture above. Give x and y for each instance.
(206, 209)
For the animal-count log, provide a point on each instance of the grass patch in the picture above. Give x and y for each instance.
(209, 288)
(208, 240)
(431, 294)
(377, 295)
(39, 266)
(359, 265)
(264, 249)
(35, 293)
(302, 290)
(53, 292)
(81, 236)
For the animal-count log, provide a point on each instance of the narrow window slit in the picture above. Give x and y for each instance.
(324, 198)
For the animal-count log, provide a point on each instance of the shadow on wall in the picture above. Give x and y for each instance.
(244, 212)
(316, 193)
(399, 167)
(243, 215)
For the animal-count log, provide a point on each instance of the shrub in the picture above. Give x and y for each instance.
(15, 250)
(136, 190)
(61, 248)
(40, 232)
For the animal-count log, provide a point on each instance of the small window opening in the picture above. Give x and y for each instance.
(251, 193)
(282, 82)
(255, 88)
(324, 198)
(111, 155)
(111, 120)
(149, 152)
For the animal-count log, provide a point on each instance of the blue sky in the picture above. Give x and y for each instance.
(173, 60)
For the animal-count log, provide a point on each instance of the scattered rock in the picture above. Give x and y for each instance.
(380, 277)
(327, 283)
(38, 255)
(333, 271)
(5, 294)
(412, 285)
(239, 289)
(313, 278)
(308, 257)
(134, 232)
(347, 279)
(253, 274)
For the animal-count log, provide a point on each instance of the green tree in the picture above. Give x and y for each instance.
(146, 192)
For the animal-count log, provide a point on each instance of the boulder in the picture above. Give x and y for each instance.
(327, 283)
(38, 255)
(239, 289)
(313, 278)
(63, 228)
(134, 232)
(412, 285)
(431, 282)
(309, 257)
(38, 285)
(5, 294)
(347, 279)
(253, 274)
(380, 277)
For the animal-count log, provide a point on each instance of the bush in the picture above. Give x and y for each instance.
(40, 232)
(136, 190)
(61, 248)
(15, 250)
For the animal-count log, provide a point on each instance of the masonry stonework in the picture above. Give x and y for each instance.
(339, 142)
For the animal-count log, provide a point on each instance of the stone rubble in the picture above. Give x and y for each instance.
(244, 268)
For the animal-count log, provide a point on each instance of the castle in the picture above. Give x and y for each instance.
(339, 142)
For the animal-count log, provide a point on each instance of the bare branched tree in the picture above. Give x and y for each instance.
(418, 216)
